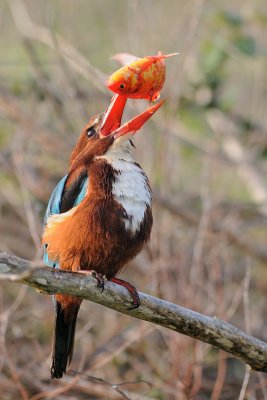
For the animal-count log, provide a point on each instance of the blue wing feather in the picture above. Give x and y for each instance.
(54, 204)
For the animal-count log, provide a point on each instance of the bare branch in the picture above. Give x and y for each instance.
(207, 329)
(234, 237)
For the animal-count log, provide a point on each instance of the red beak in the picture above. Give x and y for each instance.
(137, 122)
(112, 120)
(113, 115)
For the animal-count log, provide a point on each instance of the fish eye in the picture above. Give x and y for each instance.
(122, 86)
(90, 132)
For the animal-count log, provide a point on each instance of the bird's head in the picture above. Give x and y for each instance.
(104, 132)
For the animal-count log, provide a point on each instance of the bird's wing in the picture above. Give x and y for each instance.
(64, 198)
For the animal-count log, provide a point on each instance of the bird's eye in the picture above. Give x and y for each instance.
(90, 132)
(122, 86)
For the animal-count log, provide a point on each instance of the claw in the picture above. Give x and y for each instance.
(99, 278)
(131, 289)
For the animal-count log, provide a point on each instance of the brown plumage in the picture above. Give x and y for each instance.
(93, 236)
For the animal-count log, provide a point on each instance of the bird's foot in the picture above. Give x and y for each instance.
(131, 289)
(100, 280)
(99, 277)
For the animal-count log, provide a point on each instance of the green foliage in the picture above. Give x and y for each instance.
(245, 44)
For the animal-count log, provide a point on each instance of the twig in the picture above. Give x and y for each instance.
(245, 383)
(47, 88)
(192, 218)
(207, 329)
(250, 174)
(219, 382)
(31, 30)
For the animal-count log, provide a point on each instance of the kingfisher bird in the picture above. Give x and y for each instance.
(98, 217)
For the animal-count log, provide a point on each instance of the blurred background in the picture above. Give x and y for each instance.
(205, 154)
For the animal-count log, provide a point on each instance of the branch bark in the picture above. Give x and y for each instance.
(207, 329)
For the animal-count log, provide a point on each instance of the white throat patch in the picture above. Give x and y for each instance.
(131, 188)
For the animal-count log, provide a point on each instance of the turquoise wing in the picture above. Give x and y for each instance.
(55, 204)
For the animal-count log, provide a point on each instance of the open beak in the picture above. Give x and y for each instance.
(111, 123)
(113, 115)
(137, 122)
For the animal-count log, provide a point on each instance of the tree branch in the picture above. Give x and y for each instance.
(208, 329)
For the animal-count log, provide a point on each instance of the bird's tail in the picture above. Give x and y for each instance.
(67, 308)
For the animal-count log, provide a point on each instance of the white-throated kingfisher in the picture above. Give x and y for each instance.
(99, 215)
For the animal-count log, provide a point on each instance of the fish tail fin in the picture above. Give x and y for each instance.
(67, 309)
(161, 56)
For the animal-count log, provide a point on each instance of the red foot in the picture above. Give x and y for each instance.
(131, 289)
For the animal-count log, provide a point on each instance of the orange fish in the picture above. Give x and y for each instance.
(142, 79)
